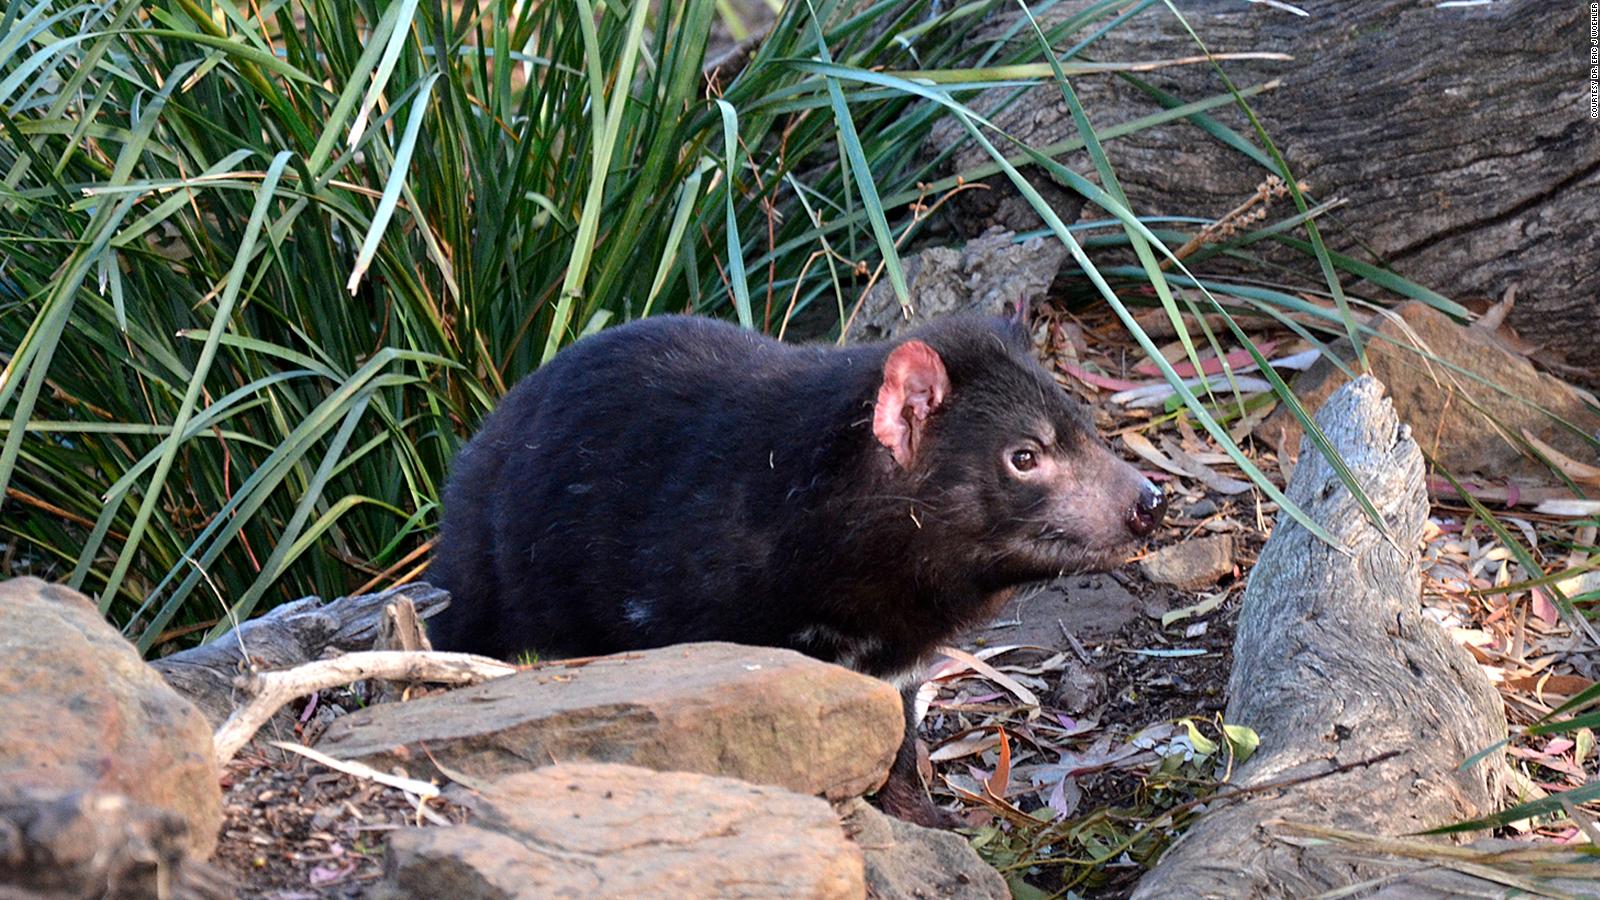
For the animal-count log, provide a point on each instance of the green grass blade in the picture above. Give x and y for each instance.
(862, 172)
(737, 276)
(391, 188)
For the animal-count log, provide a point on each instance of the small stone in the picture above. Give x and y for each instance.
(1191, 565)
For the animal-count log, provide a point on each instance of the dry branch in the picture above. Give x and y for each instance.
(269, 691)
(1333, 662)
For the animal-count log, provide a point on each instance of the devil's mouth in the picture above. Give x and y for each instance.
(1054, 553)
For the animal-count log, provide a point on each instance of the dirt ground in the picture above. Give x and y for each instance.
(294, 830)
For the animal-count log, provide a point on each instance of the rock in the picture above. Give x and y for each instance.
(1092, 607)
(765, 715)
(73, 844)
(1192, 564)
(1079, 690)
(915, 863)
(1438, 402)
(82, 712)
(991, 271)
(599, 830)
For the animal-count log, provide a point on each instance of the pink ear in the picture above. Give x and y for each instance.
(914, 385)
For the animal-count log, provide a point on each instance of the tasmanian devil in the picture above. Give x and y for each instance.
(680, 479)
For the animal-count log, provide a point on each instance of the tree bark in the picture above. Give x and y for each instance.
(1335, 666)
(1459, 137)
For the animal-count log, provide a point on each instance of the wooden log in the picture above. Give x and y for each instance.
(1458, 136)
(292, 634)
(1335, 665)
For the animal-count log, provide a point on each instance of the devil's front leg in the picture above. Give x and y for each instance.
(903, 795)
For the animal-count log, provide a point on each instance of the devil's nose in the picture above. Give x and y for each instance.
(1147, 511)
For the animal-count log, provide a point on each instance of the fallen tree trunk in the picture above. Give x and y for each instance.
(1335, 664)
(1458, 136)
(289, 635)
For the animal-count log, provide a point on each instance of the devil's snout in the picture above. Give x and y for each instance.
(1148, 510)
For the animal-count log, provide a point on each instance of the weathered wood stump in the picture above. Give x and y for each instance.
(1335, 664)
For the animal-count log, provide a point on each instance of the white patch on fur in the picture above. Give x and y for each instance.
(637, 612)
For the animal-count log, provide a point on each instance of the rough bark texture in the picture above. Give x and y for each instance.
(993, 274)
(1460, 138)
(287, 636)
(1334, 663)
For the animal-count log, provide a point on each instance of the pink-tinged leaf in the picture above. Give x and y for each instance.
(310, 708)
(1543, 608)
(1065, 797)
(1526, 495)
(1096, 380)
(1558, 745)
(1210, 365)
(328, 873)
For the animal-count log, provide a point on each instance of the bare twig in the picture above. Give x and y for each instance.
(269, 691)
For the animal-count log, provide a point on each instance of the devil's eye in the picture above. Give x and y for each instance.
(1024, 460)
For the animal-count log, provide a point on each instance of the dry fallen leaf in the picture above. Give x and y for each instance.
(1582, 473)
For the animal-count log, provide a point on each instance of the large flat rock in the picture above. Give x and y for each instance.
(81, 712)
(760, 714)
(587, 830)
